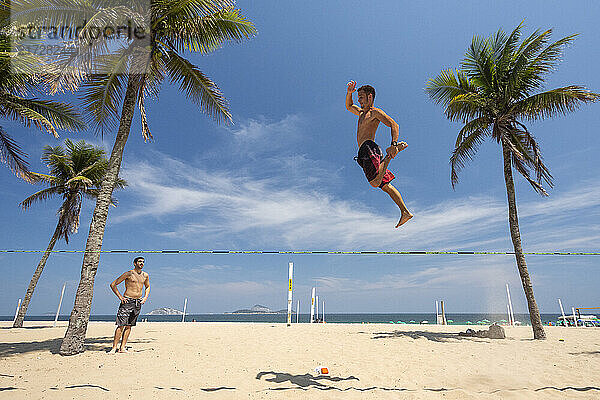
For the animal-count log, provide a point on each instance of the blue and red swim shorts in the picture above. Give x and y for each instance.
(369, 157)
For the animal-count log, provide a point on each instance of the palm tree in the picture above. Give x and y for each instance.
(497, 88)
(129, 75)
(18, 80)
(75, 173)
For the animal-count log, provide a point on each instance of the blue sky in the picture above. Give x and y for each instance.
(283, 176)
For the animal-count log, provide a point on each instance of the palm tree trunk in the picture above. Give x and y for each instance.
(73, 342)
(34, 279)
(534, 312)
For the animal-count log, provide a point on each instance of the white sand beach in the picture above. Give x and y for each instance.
(169, 360)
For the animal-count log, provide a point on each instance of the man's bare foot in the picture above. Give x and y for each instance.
(112, 351)
(123, 351)
(404, 218)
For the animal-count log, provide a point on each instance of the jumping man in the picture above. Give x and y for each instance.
(369, 153)
(131, 301)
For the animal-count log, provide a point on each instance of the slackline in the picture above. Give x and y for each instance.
(326, 252)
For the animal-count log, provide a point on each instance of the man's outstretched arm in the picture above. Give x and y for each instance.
(350, 106)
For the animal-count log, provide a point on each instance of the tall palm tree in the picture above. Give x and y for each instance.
(18, 80)
(124, 78)
(497, 88)
(75, 173)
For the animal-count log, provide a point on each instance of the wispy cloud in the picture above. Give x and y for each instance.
(466, 272)
(262, 128)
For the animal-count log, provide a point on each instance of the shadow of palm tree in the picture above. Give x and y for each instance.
(2, 389)
(51, 345)
(578, 389)
(586, 353)
(217, 389)
(30, 327)
(87, 386)
(442, 337)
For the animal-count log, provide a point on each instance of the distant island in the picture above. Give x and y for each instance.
(165, 311)
(258, 309)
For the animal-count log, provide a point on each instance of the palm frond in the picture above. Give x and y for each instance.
(531, 77)
(42, 195)
(478, 63)
(446, 86)
(52, 13)
(553, 102)
(79, 179)
(17, 68)
(113, 15)
(36, 177)
(120, 183)
(206, 34)
(104, 92)
(509, 47)
(68, 215)
(518, 161)
(478, 124)
(464, 151)
(59, 115)
(466, 107)
(517, 78)
(164, 10)
(534, 158)
(15, 158)
(198, 87)
(146, 134)
(58, 162)
(10, 107)
(95, 172)
(154, 73)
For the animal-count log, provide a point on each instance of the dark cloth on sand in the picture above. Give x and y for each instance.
(128, 312)
(369, 158)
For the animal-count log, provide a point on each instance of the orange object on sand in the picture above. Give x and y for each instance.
(322, 370)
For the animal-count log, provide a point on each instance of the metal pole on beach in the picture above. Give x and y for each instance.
(290, 274)
(512, 314)
(323, 312)
(443, 312)
(312, 306)
(59, 304)
(437, 313)
(562, 311)
(574, 317)
(317, 308)
(17, 311)
(298, 311)
(184, 307)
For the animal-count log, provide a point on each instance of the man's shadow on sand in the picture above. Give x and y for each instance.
(307, 381)
(302, 381)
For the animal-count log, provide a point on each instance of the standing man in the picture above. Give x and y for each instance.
(131, 301)
(369, 154)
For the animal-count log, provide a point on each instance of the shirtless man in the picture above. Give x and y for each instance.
(131, 301)
(369, 153)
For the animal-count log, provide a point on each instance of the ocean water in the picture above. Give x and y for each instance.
(453, 319)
